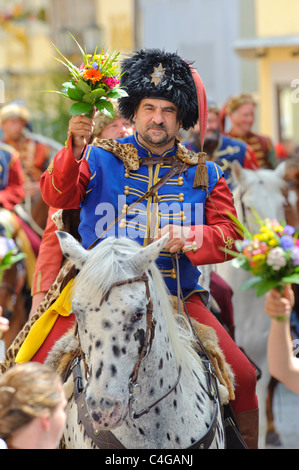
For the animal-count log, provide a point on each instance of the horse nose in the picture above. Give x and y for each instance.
(107, 413)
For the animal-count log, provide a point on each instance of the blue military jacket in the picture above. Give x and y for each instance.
(5, 156)
(112, 188)
(227, 151)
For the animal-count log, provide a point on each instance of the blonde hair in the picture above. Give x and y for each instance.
(236, 101)
(27, 391)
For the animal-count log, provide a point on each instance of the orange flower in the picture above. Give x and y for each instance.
(92, 74)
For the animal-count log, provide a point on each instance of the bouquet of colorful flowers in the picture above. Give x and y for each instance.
(271, 255)
(9, 253)
(93, 83)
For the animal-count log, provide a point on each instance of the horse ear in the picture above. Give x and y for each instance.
(237, 171)
(72, 249)
(281, 169)
(149, 254)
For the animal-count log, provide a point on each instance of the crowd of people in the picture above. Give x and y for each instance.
(81, 176)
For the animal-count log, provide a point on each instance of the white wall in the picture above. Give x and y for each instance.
(202, 31)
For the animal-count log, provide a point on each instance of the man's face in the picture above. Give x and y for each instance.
(13, 128)
(157, 124)
(243, 117)
(213, 126)
(212, 133)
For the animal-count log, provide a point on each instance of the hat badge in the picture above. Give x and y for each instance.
(158, 74)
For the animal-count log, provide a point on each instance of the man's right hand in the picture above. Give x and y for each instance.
(81, 127)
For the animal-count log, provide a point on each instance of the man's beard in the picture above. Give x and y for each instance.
(211, 142)
(165, 138)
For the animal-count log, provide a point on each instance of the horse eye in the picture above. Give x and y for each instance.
(137, 316)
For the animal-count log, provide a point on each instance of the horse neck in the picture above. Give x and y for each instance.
(292, 207)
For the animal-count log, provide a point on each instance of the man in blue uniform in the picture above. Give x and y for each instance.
(221, 148)
(148, 184)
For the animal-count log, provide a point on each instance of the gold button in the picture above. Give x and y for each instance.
(173, 275)
(122, 223)
(182, 215)
(181, 197)
(127, 174)
(124, 209)
(127, 190)
(192, 247)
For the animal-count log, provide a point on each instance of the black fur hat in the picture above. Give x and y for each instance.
(153, 73)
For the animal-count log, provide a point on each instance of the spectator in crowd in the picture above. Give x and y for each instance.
(32, 407)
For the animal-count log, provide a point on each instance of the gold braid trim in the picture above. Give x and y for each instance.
(129, 155)
(228, 243)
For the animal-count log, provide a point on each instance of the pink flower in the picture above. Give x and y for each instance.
(111, 82)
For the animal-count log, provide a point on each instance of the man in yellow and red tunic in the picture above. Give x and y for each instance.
(241, 111)
(188, 197)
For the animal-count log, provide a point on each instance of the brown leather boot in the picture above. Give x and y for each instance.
(249, 427)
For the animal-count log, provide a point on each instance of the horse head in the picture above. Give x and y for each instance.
(144, 377)
(262, 191)
(111, 300)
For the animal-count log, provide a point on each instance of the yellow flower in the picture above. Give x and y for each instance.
(272, 242)
(258, 236)
(259, 258)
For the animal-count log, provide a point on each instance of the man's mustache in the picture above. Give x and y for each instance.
(157, 126)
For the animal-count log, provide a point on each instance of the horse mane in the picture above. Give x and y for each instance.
(112, 260)
(268, 176)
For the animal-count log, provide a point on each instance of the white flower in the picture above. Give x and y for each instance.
(276, 258)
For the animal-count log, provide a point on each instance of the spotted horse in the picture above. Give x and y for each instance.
(137, 380)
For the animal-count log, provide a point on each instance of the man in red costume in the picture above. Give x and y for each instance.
(165, 93)
(50, 257)
(34, 156)
(11, 177)
(241, 111)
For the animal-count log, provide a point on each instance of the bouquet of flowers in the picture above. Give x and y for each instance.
(271, 255)
(93, 83)
(9, 253)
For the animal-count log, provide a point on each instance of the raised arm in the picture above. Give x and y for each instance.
(282, 364)
(64, 182)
